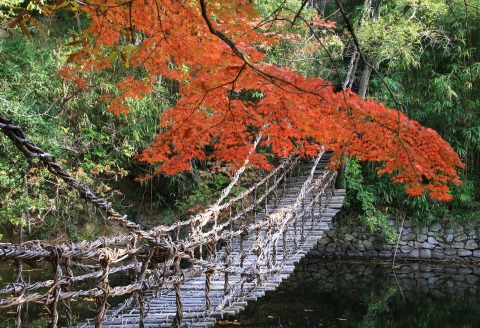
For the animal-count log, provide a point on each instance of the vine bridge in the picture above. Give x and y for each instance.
(188, 274)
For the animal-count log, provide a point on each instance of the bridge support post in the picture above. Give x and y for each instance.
(177, 322)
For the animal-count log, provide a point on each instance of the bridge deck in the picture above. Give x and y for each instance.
(160, 307)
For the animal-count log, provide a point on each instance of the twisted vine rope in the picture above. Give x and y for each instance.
(156, 261)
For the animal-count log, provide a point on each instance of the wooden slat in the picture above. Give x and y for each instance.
(161, 310)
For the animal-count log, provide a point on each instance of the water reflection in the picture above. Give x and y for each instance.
(326, 293)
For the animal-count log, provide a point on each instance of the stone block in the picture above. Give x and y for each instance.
(323, 241)
(438, 255)
(371, 253)
(349, 276)
(349, 237)
(409, 236)
(321, 249)
(422, 282)
(421, 237)
(353, 253)
(406, 249)
(471, 244)
(331, 233)
(432, 240)
(471, 279)
(425, 254)
(331, 266)
(315, 252)
(384, 253)
(458, 277)
(425, 267)
(441, 246)
(414, 253)
(464, 271)
(460, 237)
(323, 272)
(316, 275)
(330, 248)
(423, 230)
(346, 246)
(368, 245)
(436, 227)
(406, 231)
(448, 238)
(458, 245)
(388, 247)
(450, 252)
(432, 280)
(476, 253)
(428, 245)
(464, 252)
(328, 285)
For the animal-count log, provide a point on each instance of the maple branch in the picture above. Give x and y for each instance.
(304, 3)
(335, 66)
(362, 56)
(349, 26)
(243, 57)
(275, 13)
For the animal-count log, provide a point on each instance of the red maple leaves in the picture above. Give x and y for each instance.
(227, 95)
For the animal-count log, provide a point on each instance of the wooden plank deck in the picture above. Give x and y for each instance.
(160, 307)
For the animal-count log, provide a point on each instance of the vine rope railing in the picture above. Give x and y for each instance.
(167, 255)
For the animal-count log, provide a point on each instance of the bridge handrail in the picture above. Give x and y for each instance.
(31, 150)
(152, 258)
(173, 277)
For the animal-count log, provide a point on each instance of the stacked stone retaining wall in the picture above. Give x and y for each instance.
(438, 279)
(437, 241)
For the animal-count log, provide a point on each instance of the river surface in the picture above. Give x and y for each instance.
(328, 293)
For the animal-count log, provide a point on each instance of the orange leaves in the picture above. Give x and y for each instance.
(133, 88)
(68, 73)
(227, 95)
(129, 88)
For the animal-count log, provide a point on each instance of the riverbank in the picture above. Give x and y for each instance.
(338, 293)
(439, 241)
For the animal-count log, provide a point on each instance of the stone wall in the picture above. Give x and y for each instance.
(437, 279)
(434, 242)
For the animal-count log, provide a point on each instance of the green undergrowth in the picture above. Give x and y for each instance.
(373, 201)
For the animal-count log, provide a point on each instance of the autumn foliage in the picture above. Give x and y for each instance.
(212, 49)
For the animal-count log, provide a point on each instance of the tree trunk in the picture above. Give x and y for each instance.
(362, 89)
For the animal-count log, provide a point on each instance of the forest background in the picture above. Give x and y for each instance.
(423, 58)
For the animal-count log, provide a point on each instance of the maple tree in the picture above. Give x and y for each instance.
(213, 50)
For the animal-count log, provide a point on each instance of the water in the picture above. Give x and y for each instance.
(370, 294)
(327, 293)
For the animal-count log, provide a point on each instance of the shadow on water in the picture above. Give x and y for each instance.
(327, 293)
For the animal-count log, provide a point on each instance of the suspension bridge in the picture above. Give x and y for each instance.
(191, 273)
